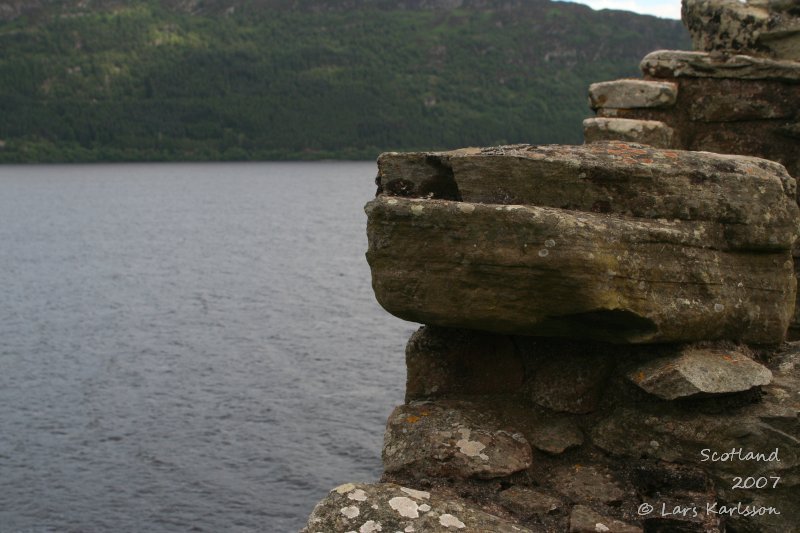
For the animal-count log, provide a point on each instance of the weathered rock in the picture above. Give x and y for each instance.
(584, 520)
(694, 371)
(445, 361)
(556, 436)
(386, 507)
(544, 271)
(609, 177)
(587, 484)
(725, 25)
(568, 382)
(527, 503)
(734, 107)
(451, 440)
(755, 27)
(757, 440)
(679, 64)
(628, 94)
(650, 132)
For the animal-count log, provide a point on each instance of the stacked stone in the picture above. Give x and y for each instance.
(598, 320)
(738, 93)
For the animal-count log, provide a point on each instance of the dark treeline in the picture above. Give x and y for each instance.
(128, 81)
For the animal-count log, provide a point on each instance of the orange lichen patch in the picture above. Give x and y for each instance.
(424, 413)
(412, 419)
(671, 155)
(639, 377)
(731, 359)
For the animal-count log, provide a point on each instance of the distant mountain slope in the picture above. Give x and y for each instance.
(274, 79)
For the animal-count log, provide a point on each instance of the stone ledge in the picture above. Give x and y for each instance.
(632, 94)
(553, 272)
(680, 64)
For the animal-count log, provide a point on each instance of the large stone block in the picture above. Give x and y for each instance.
(545, 271)
(753, 199)
(704, 261)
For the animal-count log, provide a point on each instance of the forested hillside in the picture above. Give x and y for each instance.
(279, 79)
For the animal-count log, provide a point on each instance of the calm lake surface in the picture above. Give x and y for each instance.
(188, 347)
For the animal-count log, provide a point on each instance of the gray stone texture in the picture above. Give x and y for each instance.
(527, 503)
(650, 132)
(632, 93)
(695, 370)
(673, 65)
(387, 507)
(451, 441)
(515, 247)
(448, 361)
(755, 27)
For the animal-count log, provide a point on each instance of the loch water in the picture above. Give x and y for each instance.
(188, 347)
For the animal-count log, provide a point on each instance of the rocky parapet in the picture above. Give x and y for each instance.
(756, 27)
(644, 246)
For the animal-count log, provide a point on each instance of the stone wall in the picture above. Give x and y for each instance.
(738, 94)
(585, 355)
(603, 342)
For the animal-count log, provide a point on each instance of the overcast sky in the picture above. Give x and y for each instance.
(660, 8)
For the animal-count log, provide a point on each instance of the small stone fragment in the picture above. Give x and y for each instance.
(694, 371)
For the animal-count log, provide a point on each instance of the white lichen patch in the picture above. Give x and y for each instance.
(418, 494)
(370, 526)
(409, 529)
(601, 527)
(342, 489)
(391, 201)
(424, 507)
(544, 252)
(350, 511)
(417, 209)
(466, 208)
(448, 520)
(472, 448)
(357, 495)
(406, 507)
(549, 243)
(718, 308)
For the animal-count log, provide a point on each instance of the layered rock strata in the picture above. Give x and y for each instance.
(738, 93)
(654, 414)
(615, 242)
